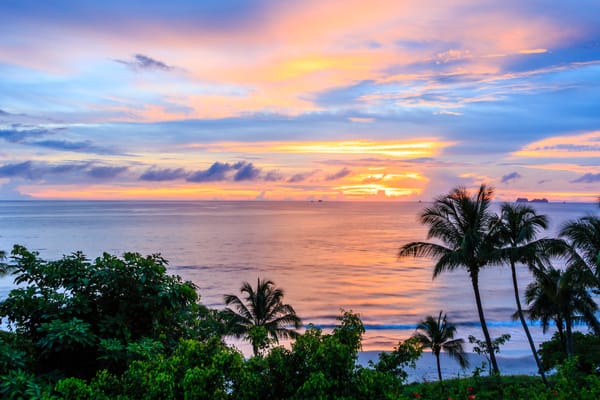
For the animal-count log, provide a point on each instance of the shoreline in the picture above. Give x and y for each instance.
(426, 369)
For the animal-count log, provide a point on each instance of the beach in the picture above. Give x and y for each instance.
(426, 369)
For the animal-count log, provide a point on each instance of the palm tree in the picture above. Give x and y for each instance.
(465, 226)
(261, 317)
(518, 228)
(3, 268)
(438, 335)
(583, 235)
(562, 297)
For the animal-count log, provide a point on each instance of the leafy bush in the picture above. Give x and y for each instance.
(586, 348)
(76, 317)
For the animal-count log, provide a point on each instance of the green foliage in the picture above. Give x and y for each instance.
(482, 348)
(395, 363)
(261, 317)
(58, 336)
(75, 317)
(12, 354)
(438, 335)
(587, 350)
(19, 384)
(74, 389)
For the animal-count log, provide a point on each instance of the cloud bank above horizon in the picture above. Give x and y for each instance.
(312, 100)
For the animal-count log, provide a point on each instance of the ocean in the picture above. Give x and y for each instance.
(327, 256)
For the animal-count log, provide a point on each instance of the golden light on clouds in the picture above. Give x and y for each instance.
(568, 146)
(533, 51)
(410, 149)
(403, 149)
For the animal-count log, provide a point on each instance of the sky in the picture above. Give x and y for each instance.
(299, 100)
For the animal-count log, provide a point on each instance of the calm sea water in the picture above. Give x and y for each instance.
(326, 256)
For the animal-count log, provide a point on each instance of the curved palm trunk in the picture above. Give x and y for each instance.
(524, 323)
(439, 367)
(486, 333)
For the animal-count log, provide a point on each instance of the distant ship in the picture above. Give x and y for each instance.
(526, 200)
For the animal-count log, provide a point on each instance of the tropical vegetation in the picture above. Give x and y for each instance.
(464, 225)
(122, 328)
(262, 317)
(438, 335)
(518, 226)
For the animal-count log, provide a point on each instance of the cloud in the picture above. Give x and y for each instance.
(10, 191)
(297, 178)
(511, 177)
(105, 172)
(301, 177)
(248, 172)
(159, 175)
(29, 135)
(29, 170)
(18, 133)
(338, 175)
(587, 178)
(215, 173)
(86, 146)
(23, 170)
(141, 62)
(273, 176)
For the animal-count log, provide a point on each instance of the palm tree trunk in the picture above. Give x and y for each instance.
(561, 334)
(524, 323)
(439, 367)
(569, 332)
(486, 333)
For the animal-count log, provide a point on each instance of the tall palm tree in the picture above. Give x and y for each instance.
(583, 235)
(518, 228)
(464, 224)
(261, 316)
(562, 297)
(438, 335)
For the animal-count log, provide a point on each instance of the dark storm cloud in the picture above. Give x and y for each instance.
(338, 175)
(141, 62)
(587, 178)
(159, 175)
(511, 177)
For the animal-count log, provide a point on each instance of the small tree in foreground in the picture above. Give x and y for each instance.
(261, 317)
(484, 350)
(438, 335)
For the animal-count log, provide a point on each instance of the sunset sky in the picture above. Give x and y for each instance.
(275, 100)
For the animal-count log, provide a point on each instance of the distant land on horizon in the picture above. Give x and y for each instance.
(526, 200)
